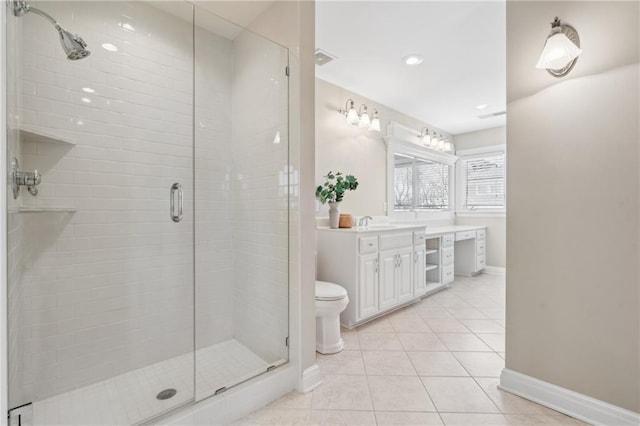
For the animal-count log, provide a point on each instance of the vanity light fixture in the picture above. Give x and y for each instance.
(375, 123)
(424, 137)
(561, 50)
(350, 112)
(434, 140)
(360, 118)
(365, 120)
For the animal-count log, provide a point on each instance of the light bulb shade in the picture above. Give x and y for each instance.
(433, 143)
(558, 52)
(561, 49)
(448, 147)
(352, 117)
(426, 140)
(365, 120)
(375, 124)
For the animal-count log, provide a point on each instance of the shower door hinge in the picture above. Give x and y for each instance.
(286, 71)
(286, 341)
(21, 415)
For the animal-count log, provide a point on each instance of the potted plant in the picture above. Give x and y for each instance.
(332, 192)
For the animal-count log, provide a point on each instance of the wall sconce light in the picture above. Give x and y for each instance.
(561, 50)
(350, 112)
(360, 118)
(375, 123)
(365, 120)
(425, 137)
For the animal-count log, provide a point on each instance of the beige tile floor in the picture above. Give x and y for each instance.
(436, 362)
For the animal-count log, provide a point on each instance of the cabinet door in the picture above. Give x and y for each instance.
(419, 283)
(388, 288)
(367, 298)
(404, 274)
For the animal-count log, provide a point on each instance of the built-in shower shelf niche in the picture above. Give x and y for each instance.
(33, 136)
(45, 210)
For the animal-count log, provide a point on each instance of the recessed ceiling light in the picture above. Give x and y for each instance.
(481, 106)
(88, 90)
(86, 100)
(110, 47)
(413, 59)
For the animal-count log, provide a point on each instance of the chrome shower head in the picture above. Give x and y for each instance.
(74, 46)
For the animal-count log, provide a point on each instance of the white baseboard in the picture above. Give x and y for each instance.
(572, 403)
(310, 378)
(495, 270)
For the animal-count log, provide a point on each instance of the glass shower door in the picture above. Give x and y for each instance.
(101, 282)
(242, 195)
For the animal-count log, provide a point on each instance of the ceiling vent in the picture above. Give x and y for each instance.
(323, 57)
(492, 114)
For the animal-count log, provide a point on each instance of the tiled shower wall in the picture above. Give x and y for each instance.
(109, 288)
(260, 220)
(15, 228)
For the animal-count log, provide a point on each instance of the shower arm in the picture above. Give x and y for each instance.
(21, 8)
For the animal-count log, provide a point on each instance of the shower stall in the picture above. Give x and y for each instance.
(148, 210)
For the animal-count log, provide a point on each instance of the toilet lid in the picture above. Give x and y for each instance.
(329, 291)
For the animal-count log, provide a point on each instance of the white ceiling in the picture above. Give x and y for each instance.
(463, 44)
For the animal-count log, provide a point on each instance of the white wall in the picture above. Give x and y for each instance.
(496, 224)
(351, 150)
(573, 299)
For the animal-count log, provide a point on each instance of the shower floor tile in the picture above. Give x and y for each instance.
(130, 398)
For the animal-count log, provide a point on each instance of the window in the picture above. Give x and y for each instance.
(482, 181)
(420, 184)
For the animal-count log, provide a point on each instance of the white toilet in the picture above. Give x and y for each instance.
(331, 300)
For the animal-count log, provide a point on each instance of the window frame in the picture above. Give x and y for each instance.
(401, 147)
(461, 181)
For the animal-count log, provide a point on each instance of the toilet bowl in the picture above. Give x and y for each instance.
(331, 300)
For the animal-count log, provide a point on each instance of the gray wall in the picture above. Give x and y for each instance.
(573, 198)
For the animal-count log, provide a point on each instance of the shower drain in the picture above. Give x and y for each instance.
(166, 394)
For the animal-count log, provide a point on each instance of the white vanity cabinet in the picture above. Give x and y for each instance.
(367, 286)
(419, 263)
(470, 252)
(378, 269)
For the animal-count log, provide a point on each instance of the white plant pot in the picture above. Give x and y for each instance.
(334, 216)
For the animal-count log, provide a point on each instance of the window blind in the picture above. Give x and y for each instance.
(432, 184)
(420, 184)
(485, 182)
(403, 182)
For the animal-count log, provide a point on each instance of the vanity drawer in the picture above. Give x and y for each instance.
(447, 256)
(480, 247)
(465, 235)
(419, 238)
(481, 235)
(447, 274)
(481, 262)
(391, 241)
(368, 244)
(447, 240)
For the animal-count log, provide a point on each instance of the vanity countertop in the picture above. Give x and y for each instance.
(430, 230)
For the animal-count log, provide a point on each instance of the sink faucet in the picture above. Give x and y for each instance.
(364, 221)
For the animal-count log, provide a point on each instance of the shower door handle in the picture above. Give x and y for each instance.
(176, 189)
